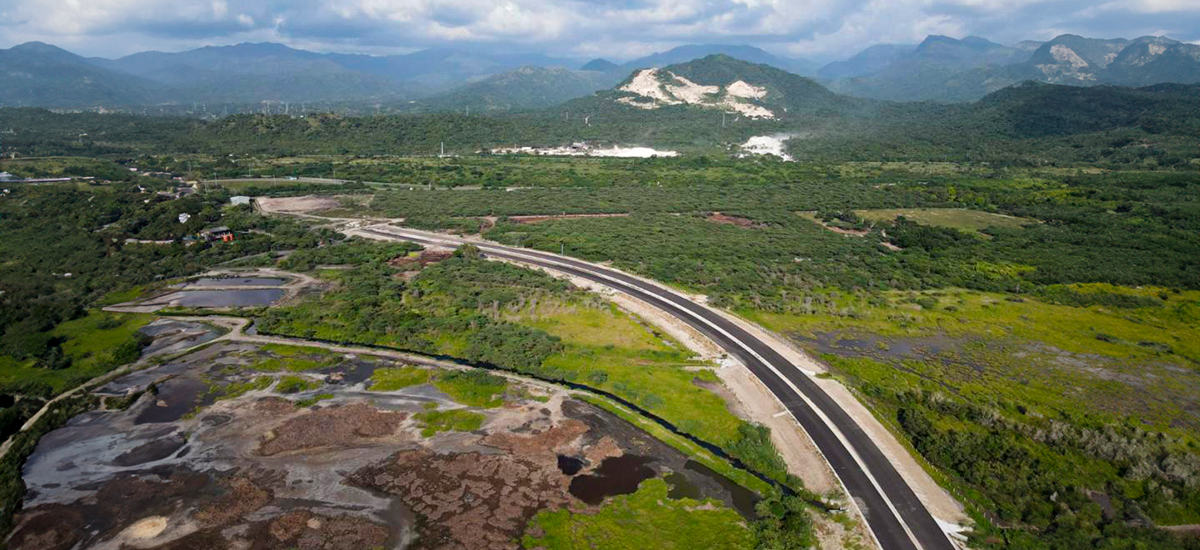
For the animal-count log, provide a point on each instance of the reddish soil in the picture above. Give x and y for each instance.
(468, 501)
(117, 504)
(222, 504)
(241, 496)
(295, 530)
(538, 446)
(718, 217)
(851, 232)
(336, 426)
(425, 258)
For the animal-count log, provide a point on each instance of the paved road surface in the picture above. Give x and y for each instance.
(893, 512)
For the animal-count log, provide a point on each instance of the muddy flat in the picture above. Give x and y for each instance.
(214, 457)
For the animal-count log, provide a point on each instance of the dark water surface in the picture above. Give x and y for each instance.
(618, 475)
(237, 281)
(180, 396)
(743, 499)
(569, 465)
(226, 298)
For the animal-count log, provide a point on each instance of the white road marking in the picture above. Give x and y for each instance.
(402, 233)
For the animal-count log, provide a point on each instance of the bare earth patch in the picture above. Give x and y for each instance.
(718, 217)
(290, 205)
(339, 426)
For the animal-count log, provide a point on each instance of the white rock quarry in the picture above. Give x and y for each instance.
(654, 88)
(1069, 64)
(744, 90)
(646, 84)
(1063, 54)
(768, 145)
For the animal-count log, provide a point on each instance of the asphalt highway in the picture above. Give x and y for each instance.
(894, 514)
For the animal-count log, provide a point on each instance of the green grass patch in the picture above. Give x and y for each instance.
(291, 363)
(122, 296)
(396, 378)
(1046, 356)
(457, 420)
(693, 451)
(954, 218)
(94, 344)
(310, 401)
(475, 388)
(238, 389)
(296, 384)
(287, 350)
(645, 519)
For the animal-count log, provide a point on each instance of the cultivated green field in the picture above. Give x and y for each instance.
(954, 218)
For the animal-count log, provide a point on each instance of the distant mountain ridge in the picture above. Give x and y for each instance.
(40, 74)
(939, 68)
(520, 89)
(250, 73)
(947, 69)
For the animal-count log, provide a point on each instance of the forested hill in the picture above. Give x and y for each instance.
(1031, 122)
(1034, 109)
(714, 83)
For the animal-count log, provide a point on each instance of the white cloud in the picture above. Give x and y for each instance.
(610, 28)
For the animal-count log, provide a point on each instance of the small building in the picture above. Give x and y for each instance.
(239, 200)
(6, 177)
(221, 233)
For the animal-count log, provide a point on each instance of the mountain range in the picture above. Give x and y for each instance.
(246, 75)
(948, 69)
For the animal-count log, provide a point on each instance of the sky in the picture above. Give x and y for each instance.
(821, 30)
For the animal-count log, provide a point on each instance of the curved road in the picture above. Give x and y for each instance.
(894, 514)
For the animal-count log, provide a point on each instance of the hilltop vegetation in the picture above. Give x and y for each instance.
(1034, 124)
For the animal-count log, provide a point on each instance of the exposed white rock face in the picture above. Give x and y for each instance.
(655, 88)
(742, 89)
(646, 84)
(747, 109)
(768, 145)
(1063, 54)
(1068, 67)
(688, 91)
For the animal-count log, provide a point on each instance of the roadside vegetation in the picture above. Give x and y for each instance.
(519, 319)
(648, 518)
(1024, 316)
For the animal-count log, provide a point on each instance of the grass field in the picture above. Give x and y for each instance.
(474, 388)
(296, 384)
(647, 518)
(954, 218)
(398, 378)
(611, 350)
(1126, 362)
(89, 343)
(456, 420)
